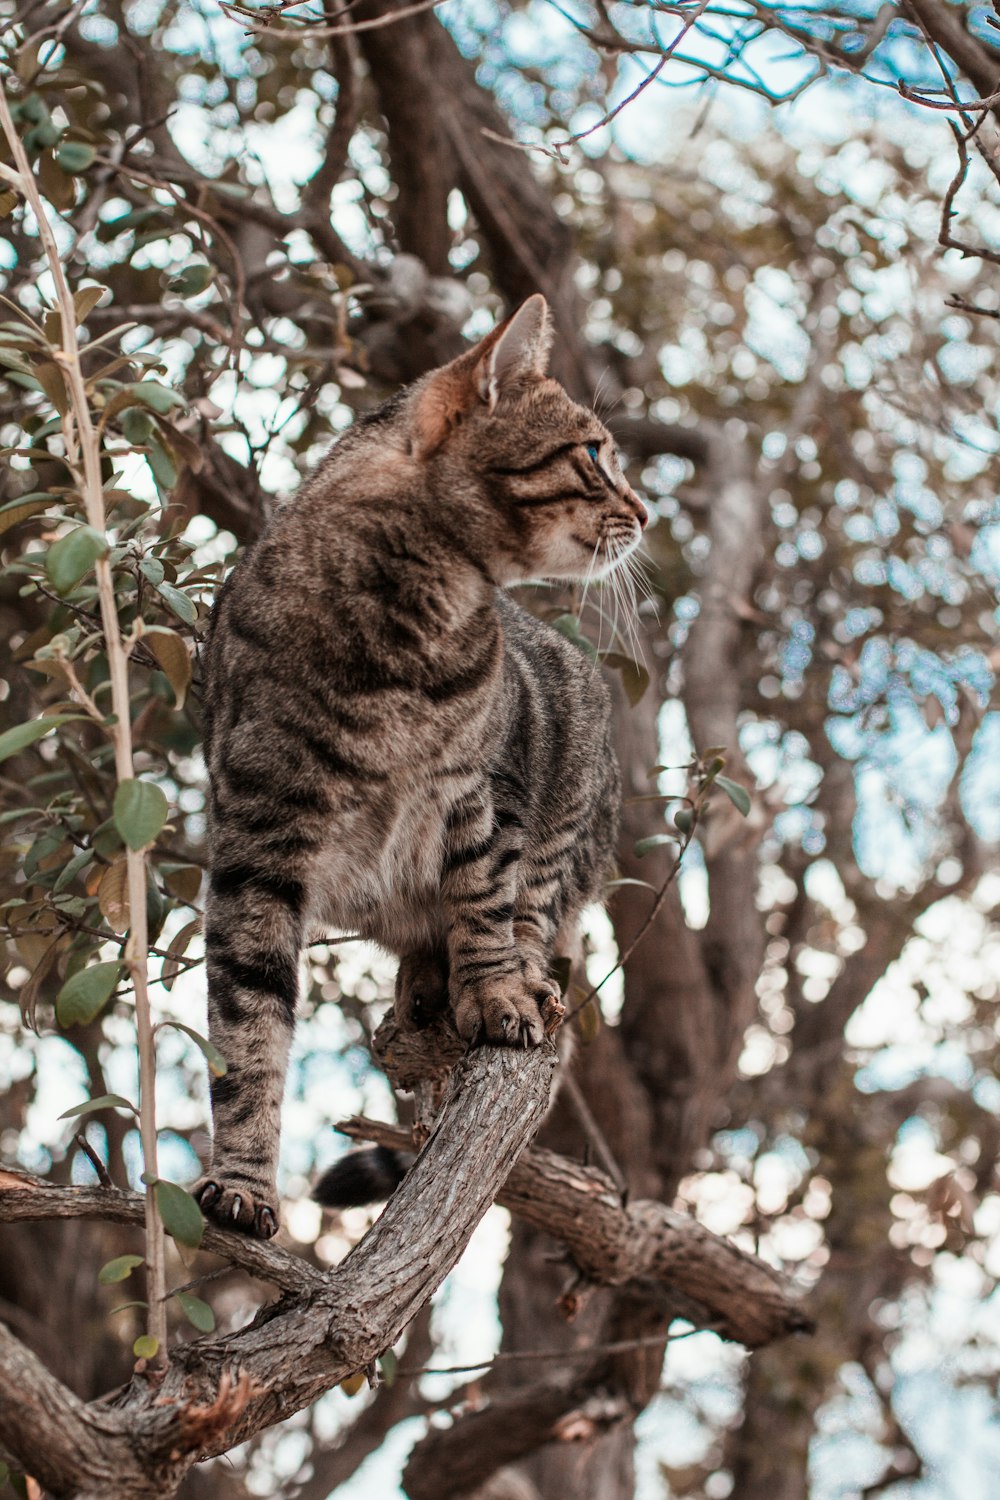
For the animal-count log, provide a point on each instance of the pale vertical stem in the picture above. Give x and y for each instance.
(137, 948)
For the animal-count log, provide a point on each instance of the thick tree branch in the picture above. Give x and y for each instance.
(612, 1243)
(219, 1392)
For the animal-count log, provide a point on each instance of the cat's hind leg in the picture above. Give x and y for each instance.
(421, 987)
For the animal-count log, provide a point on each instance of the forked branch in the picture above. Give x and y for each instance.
(219, 1392)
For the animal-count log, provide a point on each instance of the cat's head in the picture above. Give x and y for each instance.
(538, 475)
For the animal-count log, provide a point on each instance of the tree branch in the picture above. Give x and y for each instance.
(219, 1392)
(612, 1243)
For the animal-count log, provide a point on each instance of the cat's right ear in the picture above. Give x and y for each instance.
(516, 350)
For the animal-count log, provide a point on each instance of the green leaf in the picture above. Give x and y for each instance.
(140, 811)
(104, 1101)
(75, 156)
(68, 559)
(179, 603)
(145, 1346)
(137, 426)
(738, 795)
(196, 1311)
(157, 397)
(182, 1218)
(151, 567)
(654, 841)
(23, 735)
(684, 819)
(192, 280)
(172, 655)
(118, 1269)
(216, 1062)
(388, 1365)
(68, 875)
(162, 464)
(86, 993)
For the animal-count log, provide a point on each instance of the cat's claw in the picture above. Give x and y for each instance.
(233, 1208)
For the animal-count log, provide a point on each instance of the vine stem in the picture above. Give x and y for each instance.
(82, 445)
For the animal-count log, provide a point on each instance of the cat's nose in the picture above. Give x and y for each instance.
(641, 513)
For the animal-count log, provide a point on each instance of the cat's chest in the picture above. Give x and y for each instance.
(381, 873)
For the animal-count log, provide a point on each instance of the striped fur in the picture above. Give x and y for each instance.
(394, 746)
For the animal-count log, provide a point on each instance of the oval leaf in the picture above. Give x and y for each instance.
(145, 1346)
(118, 1269)
(352, 1384)
(655, 841)
(103, 1101)
(74, 555)
(75, 156)
(179, 602)
(216, 1062)
(23, 735)
(196, 1311)
(172, 655)
(738, 795)
(140, 811)
(157, 397)
(178, 947)
(86, 993)
(181, 1215)
(192, 280)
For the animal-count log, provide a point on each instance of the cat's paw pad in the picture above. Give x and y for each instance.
(421, 989)
(513, 1010)
(233, 1205)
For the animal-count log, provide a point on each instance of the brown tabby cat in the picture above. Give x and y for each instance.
(395, 747)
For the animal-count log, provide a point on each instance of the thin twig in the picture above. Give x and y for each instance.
(590, 1351)
(650, 918)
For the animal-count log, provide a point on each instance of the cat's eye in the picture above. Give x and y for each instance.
(593, 451)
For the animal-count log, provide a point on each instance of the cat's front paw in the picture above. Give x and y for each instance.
(512, 1010)
(233, 1204)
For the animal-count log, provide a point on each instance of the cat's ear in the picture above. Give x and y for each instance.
(516, 350)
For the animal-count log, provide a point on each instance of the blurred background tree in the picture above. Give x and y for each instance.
(744, 232)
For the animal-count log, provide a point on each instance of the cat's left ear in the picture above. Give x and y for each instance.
(517, 350)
